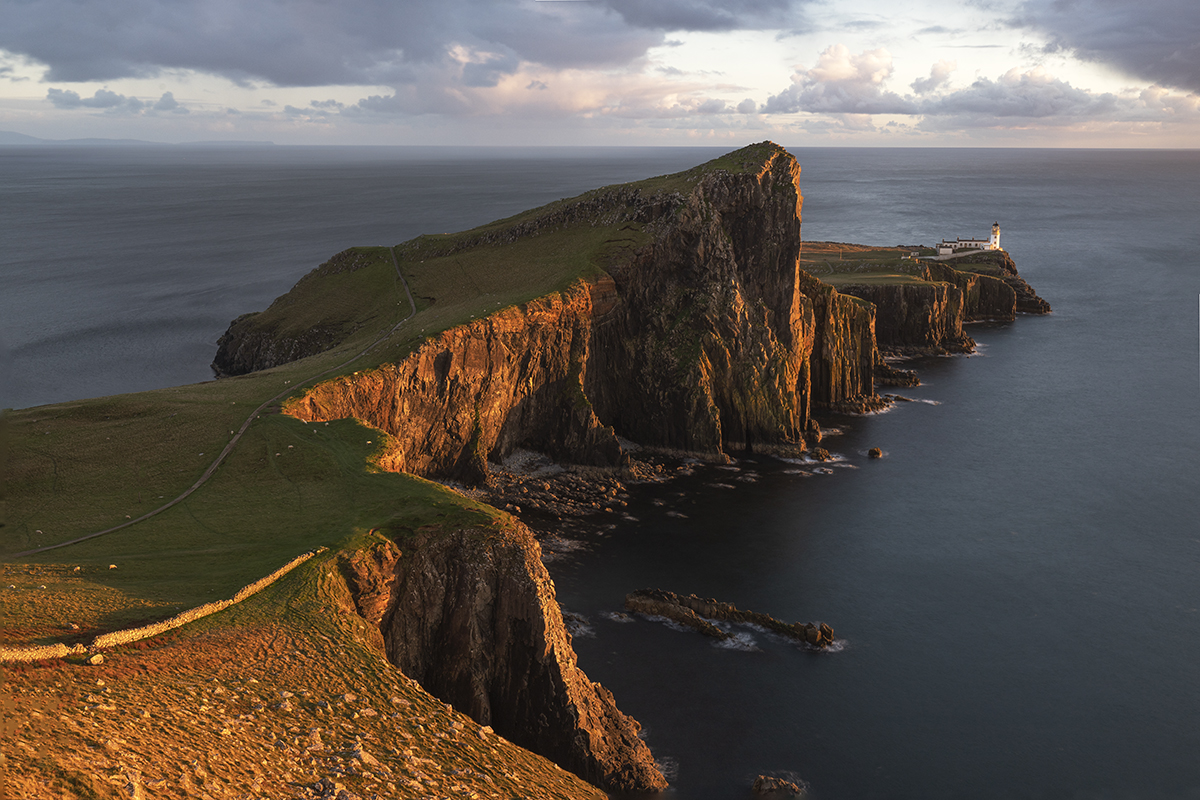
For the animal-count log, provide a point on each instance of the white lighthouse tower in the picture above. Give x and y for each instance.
(994, 240)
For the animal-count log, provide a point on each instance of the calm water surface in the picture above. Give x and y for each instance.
(1015, 584)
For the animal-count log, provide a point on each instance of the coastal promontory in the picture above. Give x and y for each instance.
(359, 420)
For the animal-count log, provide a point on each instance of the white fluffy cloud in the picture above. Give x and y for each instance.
(844, 83)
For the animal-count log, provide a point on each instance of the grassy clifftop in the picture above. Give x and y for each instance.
(84, 466)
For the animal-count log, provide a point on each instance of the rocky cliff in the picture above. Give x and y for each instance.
(983, 297)
(1001, 265)
(471, 615)
(926, 315)
(705, 337)
(513, 378)
(699, 332)
(917, 317)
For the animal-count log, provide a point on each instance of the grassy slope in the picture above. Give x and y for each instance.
(184, 719)
(79, 467)
(841, 264)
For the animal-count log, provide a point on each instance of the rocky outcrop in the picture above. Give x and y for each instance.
(514, 378)
(248, 347)
(925, 316)
(261, 340)
(471, 615)
(984, 297)
(695, 612)
(707, 338)
(916, 317)
(1027, 300)
(771, 786)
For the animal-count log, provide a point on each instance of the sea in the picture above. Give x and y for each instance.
(1014, 586)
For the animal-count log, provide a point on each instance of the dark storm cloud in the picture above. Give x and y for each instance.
(488, 72)
(1155, 40)
(703, 15)
(314, 43)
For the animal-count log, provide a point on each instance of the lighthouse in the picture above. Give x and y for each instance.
(994, 240)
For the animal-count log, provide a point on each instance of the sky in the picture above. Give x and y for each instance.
(1013, 73)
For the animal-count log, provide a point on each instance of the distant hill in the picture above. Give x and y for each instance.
(13, 138)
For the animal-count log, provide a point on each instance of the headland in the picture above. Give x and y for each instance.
(423, 650)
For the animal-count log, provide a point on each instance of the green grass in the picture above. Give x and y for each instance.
(869, 278)
(80, 467)
(332, 300)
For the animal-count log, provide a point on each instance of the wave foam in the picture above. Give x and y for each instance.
(742, 642)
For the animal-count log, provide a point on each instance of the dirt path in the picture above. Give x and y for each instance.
(212, 468)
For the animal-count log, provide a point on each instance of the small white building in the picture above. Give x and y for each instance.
(947, 246)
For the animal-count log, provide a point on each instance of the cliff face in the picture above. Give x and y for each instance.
(708, 338)
(246, 347)
(1027, 300)
(513, 378)
(928, 317)
(845, 356)
(916, 317)
(471, 615)
(984, 297)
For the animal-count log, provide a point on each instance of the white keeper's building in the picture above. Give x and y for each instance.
(947, 246)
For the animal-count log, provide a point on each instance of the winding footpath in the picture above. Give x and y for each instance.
(212, 468)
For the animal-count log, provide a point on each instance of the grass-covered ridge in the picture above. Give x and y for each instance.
(79, 467)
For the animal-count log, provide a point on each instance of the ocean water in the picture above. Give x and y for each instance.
(1015, 586)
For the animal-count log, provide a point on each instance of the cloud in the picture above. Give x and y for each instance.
(702, 15)
(168, 103)
(355, 42)
(842, 83)
(854, 86)
(488, 72)
(1033, 94)
(1155, 40)
(113, 103)
(102, 98)
(939, 76)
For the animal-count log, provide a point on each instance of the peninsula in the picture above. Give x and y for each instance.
(413, 645)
